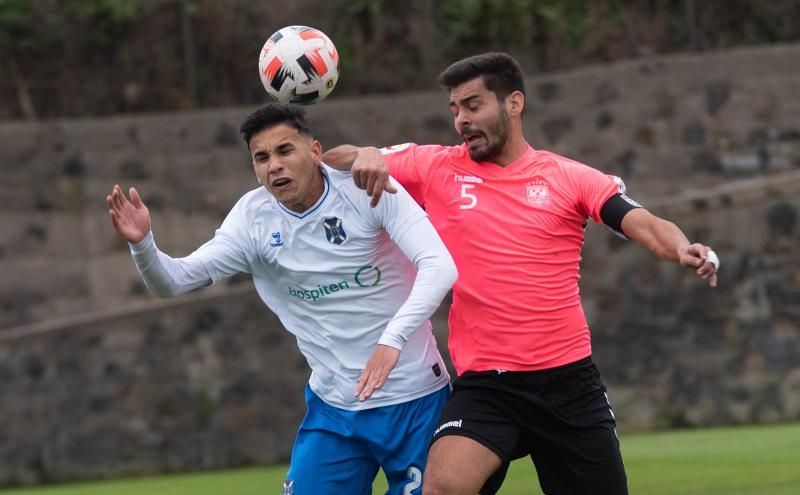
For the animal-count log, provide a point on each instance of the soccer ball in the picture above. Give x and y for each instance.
(299, 64)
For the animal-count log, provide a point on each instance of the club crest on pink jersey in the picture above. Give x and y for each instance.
(538, 193)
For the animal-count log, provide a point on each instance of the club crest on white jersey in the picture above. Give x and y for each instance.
(334, 231)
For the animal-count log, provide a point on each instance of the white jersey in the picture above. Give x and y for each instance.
(341, 277)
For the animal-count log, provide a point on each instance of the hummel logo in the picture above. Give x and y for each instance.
(468, 178)
(449, 424)
(276, 240)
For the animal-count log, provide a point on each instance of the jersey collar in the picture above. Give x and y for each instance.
(491, 169)
(313, 208)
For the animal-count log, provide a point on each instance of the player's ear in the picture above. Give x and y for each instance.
(515, 103)
(316, 151)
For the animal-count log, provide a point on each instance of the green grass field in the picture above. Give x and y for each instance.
(724, 461)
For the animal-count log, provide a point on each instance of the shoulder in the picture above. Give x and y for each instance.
(345, 189)
(566, 167)
(342, 182)
(420, 151)
(336, 177)
(254, 202)
(559, 161)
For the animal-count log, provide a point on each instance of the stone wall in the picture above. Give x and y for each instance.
(211, 381)
(674, 352)
(98, 378)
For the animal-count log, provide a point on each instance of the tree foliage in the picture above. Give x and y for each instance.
(90, 57)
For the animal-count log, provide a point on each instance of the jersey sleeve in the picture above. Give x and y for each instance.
(396, 213)
(411, 164)
(230, 250)
(222, 256)
(593, 188)
(164, 275)
(410, 229)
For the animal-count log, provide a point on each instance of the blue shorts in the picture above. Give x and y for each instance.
(339, 452)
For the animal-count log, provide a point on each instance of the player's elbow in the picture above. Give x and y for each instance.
(448, 271)
(164, 291)
(437, 268)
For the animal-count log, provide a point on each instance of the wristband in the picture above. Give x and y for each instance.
(712, 258)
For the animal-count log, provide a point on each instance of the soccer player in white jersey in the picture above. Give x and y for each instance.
(354, 284)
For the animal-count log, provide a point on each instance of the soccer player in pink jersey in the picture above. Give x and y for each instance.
(513, 219)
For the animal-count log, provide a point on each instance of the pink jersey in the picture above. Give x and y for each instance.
(516, 234)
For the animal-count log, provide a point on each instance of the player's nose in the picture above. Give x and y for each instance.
(463, 124)
(461, 121)
(276, 165)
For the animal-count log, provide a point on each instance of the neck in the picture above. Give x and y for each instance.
(515, 147)
(316, 190)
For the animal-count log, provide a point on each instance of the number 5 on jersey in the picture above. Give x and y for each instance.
(469, 199)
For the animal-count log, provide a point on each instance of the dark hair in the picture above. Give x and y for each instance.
(502, 74)
(273, 114)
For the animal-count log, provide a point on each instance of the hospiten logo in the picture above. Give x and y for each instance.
(366, 276)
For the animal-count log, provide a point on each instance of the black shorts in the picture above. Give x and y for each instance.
(560, 417)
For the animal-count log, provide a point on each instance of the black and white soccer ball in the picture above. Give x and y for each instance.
(299, 64)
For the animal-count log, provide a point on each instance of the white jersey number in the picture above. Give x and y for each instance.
(416, 480)
(472, 200)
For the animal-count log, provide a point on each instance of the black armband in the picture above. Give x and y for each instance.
(614, 210)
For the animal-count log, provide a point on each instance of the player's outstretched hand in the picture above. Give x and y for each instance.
(371, 174)
(131, 218)
(380, 364)
(703, 259)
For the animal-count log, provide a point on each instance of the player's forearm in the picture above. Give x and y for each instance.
(436, 273)
(163, 275)
(435, 276)
(341, 157)
(660, 236)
